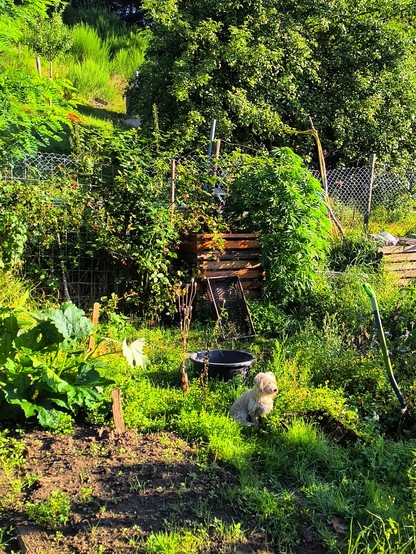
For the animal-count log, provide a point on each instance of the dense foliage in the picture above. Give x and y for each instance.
(261, 68)
(277, 196)
(43, 372)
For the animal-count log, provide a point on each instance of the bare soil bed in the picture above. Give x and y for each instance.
(123, 488)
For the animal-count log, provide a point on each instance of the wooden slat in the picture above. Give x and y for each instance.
(404, 256)
(406, 281)
(400, 266)
(405, 274)
(398, 249)
(239, 244)
(227, 236)
(228, 265)
(229, 255)
(242, 273)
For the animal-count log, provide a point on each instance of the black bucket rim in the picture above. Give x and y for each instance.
(199, 356)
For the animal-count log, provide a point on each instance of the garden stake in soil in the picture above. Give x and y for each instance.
(385, 352)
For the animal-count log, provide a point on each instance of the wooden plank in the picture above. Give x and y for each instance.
(213, 255)
(405, 274)
(406, 281)
(226, 265)
(400, 266)
(398, 249)
(404, 256)
(242, 273)
(227, 235)
(239, 244)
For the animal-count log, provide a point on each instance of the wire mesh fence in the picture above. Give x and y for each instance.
(364, 190)
(351, 186)
(85, 275)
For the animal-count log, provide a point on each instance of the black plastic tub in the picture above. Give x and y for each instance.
(224, 364)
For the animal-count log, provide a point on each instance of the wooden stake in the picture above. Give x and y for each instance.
(38, 66)
(216, 156)
(117, 411)
(94, 319)
(172, 186)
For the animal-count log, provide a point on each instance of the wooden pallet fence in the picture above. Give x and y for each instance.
(225, 255)
(400, 259)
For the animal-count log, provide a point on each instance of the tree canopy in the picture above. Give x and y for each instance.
(261, 67)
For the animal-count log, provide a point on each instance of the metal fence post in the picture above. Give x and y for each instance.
(370, 189)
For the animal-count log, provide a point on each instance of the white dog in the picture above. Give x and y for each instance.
(256, 402)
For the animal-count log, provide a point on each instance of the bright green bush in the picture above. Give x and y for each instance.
(278, 197)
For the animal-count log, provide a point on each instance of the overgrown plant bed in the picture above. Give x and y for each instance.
(97, 492)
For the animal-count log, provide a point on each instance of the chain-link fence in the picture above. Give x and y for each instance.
(360, 187)
(44, 166)
(86, 276)
(365, 189)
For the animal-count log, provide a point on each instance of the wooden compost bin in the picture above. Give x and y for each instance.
(400, 259)
(232, 255)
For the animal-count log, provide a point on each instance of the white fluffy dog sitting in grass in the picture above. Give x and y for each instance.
(256, 402)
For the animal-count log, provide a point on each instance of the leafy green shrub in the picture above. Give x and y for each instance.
(278, 197)
(270, 320)
(12, 240)
(42, 371)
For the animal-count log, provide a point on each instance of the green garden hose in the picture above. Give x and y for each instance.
(385, 352)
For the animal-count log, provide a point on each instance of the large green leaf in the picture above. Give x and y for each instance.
(88, 376)
(70, 321)
(54, 382)
(28, 407)
(45, 336)
(50, 418)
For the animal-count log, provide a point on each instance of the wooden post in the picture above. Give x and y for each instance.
(370, 189)
(172, 187)
(211, 137)
(216, 156)
(94, 319)
(38, 66)
(117, 411)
